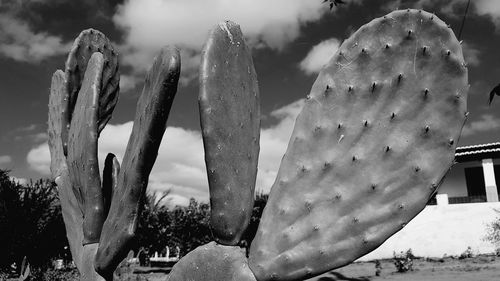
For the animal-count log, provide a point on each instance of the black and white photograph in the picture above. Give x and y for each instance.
(249, 140)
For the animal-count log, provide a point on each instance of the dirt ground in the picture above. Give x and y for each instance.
(480, 268)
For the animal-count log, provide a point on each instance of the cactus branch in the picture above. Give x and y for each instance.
(317, 220)
(87, 43)
(149, 125)
(230, 123)
(82, 152)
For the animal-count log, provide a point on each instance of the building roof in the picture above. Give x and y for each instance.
(477, 152)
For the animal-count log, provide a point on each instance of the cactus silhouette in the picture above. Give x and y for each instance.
(101, 216)
(372, 144)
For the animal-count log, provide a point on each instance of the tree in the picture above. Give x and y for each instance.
(153, 223)
(493, 233)
(31, 222)
(190, 226)
(183, 227)
(258, 208)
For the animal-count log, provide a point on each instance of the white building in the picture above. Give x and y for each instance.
(457, 217)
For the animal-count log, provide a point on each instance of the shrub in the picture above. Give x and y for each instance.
(183, 227)
(466, 254)
(378, 268)
(403, 261)
(493, 233)
(31, 222)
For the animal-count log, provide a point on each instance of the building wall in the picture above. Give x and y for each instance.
(439, 230)
(496, 163)
(454, 183)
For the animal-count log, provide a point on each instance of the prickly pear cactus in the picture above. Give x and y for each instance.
(213, 261)
(101, 216)
(86, 44)
(149, 125)
(230, 122)
(372, 144)
(82, 154)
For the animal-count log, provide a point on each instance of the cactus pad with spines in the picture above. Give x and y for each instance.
(57, 106)
(82, 152)
(373, 142)
(230, 121)
(88, 42)
(103, 217)
(149, 125)
(70, 207)
(213, 262)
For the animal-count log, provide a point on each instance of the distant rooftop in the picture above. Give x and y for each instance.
(477, 152)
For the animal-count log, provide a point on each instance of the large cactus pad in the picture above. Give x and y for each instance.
(372, 144)
(88, 42)
(82, 152)
(150, 123)
(213, 262)
(230, 121)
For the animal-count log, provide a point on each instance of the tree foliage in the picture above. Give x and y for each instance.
(30, 221)
(493, 233)
(258, 208)
(183, 227)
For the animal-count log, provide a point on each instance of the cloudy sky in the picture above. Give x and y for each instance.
(290, 40)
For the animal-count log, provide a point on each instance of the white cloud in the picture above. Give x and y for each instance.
(180, 165)
(446, 7)
(38, 159)
(486, 123)
(35, 137)
(128, 82)
(28, 128)
(471, 54)
(30, 132)
(155, 23)
(273, 144)
(490, 8)
(392, 5)
(149, 25)
(176, 200)
(453, 8)
(319, 55)
(19, 42)
(5, 159)
(21, 181)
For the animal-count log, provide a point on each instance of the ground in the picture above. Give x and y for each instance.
(479, 268)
